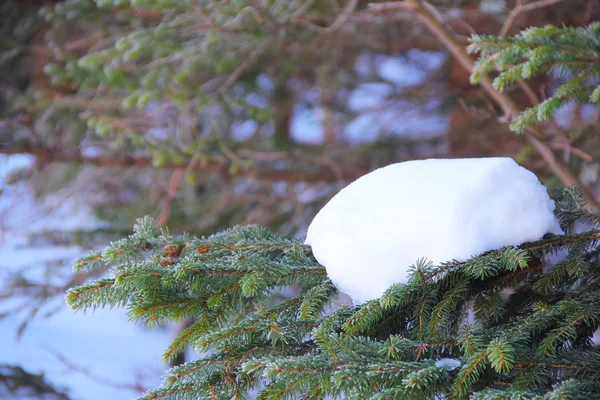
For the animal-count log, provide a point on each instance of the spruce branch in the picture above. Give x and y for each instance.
(568, 52)
(521, 8)
(536, 343)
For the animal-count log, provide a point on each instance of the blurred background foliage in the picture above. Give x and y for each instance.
(207, 114)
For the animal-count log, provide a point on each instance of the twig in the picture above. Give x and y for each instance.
(390, 6)
(174, 185)
(247, 10)
(264, 156)
(533, 99)
(86, 103)
(247, 63)
(335, 169)
(165, 210)
(83, 43)
(134, 387)
(143, 13)
(213, 165)
(565, 145)
(301, 10)
(520, 9)
(337, 24)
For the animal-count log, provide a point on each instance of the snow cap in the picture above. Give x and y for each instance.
(448, 364)
(373, 230)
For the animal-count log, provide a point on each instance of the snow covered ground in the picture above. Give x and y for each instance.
(104, 342)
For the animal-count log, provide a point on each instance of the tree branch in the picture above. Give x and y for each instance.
(209, 166)
(165, 210)
(533, 136)
(520, 9)
(337, 24)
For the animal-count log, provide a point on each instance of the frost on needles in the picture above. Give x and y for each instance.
(537, 344)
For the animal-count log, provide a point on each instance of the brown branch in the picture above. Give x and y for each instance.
(533, 98)
(83, 43)
(390, 6)
(557, 365)
(153, 15)
(209, 166)
(136, 387)
(562, 240)
(520, 9)
(245, 65)
(569, 149)
(510, 109)
(337, 24)
(92, 289)
(165, 210)
(72, 102)
(555, 241)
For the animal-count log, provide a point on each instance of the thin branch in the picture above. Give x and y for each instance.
(74, 102)
(337, 24)
(301, 10)
(165, 209)
(247, 63)
(243, 12)
(531, 96)
(135, 387)
(390, 6)
(520, 9)
(569, 149)
(153, 15)
(207, 166)
(83, 43)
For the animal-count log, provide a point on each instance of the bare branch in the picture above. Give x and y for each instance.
(167, 203)
(247, 63)
(136, 387)
(390, 6)
(207, 166)
(337, 24)
(153, 15)
(520, 9)
(83, 43)
(76, 102)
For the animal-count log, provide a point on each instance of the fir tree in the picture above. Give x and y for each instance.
(536, 344)
(417, 340)
(414, 342)
(110, 59)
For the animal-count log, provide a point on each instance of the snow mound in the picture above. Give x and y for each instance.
(448, 364)
(369, 234)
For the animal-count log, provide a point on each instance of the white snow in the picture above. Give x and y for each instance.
(372, 231)
(448, 364)
(105, 342)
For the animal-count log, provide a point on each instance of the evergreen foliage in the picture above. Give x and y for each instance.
(568, 52)
(204, 58)
(211, 65)
(535, 343)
